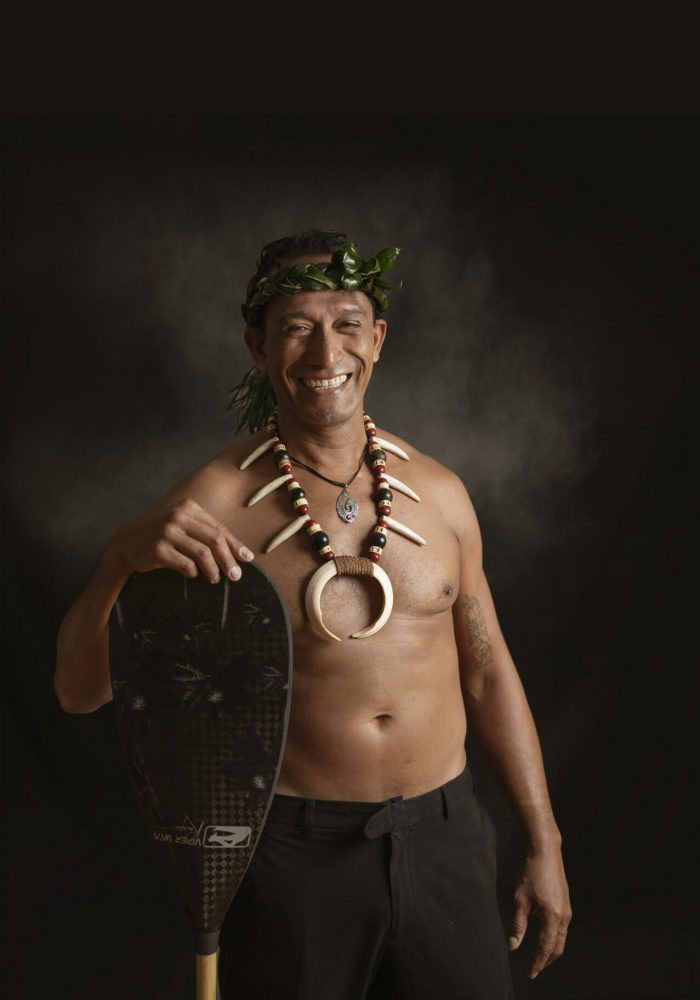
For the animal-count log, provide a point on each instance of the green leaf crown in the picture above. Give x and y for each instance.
(253, 400)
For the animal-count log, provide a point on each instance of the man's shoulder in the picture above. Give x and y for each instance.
(219, 477)
(433, 480)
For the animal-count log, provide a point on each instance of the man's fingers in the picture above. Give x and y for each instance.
(560, 943)
(518, 924)
(169, 558)
(199, 553)
(547, 941)
(225, 548)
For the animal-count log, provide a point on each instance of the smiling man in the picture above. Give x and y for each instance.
(376, 872)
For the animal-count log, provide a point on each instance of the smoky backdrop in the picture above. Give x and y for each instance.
(543, 346)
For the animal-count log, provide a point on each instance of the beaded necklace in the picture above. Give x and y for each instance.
(333, 565)
(383, 496)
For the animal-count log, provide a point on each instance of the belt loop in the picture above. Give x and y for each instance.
(445, 802)
(309, 815)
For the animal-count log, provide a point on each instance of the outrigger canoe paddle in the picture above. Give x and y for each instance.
(201, 678)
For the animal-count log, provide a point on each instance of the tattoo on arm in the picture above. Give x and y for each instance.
(477, 633)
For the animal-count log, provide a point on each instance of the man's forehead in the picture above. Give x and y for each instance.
(305, 305)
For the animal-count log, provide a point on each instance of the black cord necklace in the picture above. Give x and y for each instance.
(347, 508)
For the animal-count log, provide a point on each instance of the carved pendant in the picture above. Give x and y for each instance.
(347, 508)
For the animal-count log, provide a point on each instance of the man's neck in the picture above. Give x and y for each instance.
(332, 449)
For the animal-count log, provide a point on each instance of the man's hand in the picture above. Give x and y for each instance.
(181, 536)
(543, 891)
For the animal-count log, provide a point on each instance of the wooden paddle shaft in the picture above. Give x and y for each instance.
(206, 977)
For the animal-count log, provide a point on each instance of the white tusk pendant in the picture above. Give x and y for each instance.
(401, 529)
(393, 448)
(401, 487)
(347, 566)
(268, 488)
(260, 450)
(287, 532)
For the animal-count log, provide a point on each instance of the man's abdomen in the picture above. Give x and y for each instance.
(373, 722)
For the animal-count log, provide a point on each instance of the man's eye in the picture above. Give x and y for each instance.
(351, 325)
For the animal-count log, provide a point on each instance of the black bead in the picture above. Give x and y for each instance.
(319, 538)
(377, 453)
(379, 540)
(384, 494)
(282, 457)
(296, 493)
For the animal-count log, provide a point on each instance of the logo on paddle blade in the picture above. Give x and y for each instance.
(189, 834)
(227, 836)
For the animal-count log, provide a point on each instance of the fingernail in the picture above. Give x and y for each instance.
(246, 554)
(214, 579)
(234, 572)
(512, 943)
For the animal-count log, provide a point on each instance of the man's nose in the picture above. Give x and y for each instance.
(324, 347)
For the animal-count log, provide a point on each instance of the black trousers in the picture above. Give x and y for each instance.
(353, 900)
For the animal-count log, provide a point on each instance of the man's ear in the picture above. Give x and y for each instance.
(255, 339)
(379, 335)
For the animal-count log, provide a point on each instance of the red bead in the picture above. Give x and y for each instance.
(310, 523)
(284, 468)
(303, 509)
(381, 525)
(385, 509)
(328, 556)
(374, 557)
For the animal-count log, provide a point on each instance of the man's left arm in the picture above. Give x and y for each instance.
(500, 719)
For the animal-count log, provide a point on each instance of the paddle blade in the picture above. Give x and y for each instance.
(201, 676)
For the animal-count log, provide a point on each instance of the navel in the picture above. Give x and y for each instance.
(382, 718)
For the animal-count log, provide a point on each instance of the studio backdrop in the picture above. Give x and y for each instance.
(543, 346)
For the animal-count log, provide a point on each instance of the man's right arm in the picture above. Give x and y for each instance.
(177, 534)
(82, 679)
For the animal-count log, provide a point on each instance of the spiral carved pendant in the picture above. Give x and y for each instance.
(347, 508)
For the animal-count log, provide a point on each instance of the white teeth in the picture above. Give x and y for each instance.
(324, 383)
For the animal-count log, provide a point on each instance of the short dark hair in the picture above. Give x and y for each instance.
(307, 241)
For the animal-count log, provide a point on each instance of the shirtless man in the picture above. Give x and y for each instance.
(374, 721)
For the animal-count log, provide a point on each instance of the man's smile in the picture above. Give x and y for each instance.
(325, 384)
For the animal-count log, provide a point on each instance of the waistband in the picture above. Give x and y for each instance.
(373, 818)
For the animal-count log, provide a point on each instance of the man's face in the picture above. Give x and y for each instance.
(312, 337)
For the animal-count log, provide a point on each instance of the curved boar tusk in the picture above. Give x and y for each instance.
(260, 450)
(268, 488)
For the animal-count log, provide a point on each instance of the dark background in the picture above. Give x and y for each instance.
(543, 346)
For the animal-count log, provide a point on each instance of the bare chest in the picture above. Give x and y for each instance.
(424, 578)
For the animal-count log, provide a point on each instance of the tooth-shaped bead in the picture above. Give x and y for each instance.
(260, 450)
(268, 488)
(287, 532)
(401, 529)
(393, 448)
(401, 487)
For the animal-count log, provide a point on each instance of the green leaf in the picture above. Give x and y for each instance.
(350, 282)
(387, 257)
(370, 266)
(313, 285)
(347, 258)
(335, 274)
(380, 298)
(312, 271)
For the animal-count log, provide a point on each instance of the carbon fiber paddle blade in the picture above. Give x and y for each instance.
(201, 676)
